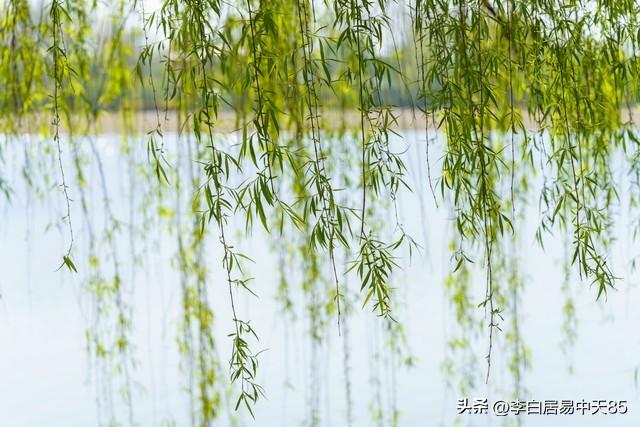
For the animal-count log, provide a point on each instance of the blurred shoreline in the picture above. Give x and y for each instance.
(147, 121)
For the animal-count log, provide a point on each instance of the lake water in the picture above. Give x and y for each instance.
(46, 375)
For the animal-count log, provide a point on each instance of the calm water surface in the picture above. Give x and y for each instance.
(45, 375)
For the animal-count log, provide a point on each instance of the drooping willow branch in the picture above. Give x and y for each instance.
(61, 71)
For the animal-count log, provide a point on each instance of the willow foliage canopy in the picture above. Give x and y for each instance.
(286, 117)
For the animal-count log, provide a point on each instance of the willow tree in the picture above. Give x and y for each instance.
(311, 93)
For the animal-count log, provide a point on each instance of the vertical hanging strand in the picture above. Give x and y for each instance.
(60, 65)
(329, 224)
